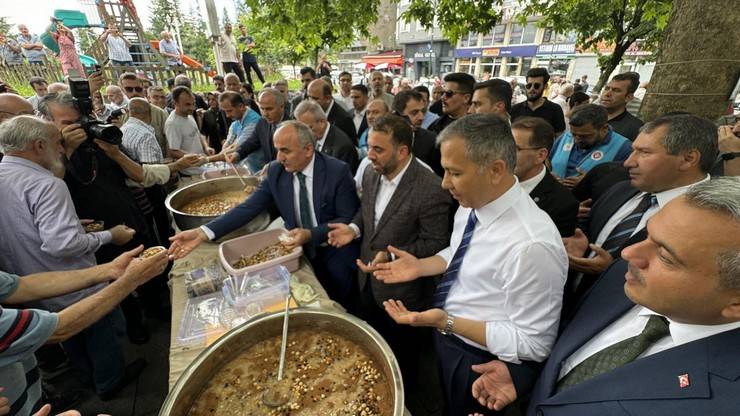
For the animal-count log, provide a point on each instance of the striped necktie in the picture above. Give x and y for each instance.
(450, 276)
(624, 230)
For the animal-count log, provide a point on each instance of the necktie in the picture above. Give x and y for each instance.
(450, 276)
(622, 232)
(617, 355)
(303, 202)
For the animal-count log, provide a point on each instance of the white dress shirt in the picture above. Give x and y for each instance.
(363, 165)
(357, 117)
(511, 278)
(345, 102)
(631, 324)
(629, 206)
(308, 171)
(532, 182)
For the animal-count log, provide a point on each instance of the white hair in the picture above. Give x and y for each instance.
(312, 107)
(18, 133)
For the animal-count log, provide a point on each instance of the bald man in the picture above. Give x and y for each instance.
(375, 109)
(115, 96)
(57, 87)
(321, 92)
(139, 139)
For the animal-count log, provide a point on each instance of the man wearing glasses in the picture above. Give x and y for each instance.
(455, 99)
(537, 105)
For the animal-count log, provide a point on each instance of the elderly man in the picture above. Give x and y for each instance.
(403, 204)
(40, 89)
(57, 87)
(169, 49)
(320, 91)
(375, 109)
(118, 46)
(132, 87)
(39, 212)
(564, 93)
(116, 98)
(410, 105)
(377, 88)
(226, 45)
(455, 99)
(615, 97)
(329, 138)
(590, 142)
(32, 47)
(653, 336)
(139, 140)
(157, 97)
(183, 135)
(504, 271)
(11, 52)
(310, 190)
(537, 104)
(492, 96)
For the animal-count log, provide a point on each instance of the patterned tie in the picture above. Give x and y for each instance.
(443, 289)
(622, 232)
(617, 355)
(304, 203)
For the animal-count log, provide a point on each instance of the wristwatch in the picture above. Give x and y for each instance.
(448, 326)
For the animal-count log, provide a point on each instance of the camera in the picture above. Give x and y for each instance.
(94, 128)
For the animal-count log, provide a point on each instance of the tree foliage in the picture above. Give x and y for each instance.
(4, 25)
(307, 26)
(164, 15)
(168, 15)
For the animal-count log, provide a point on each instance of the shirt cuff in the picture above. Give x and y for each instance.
(210, 234)
(105, 237)
(356, 229)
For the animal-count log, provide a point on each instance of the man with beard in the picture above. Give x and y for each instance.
(590, 142)
(455, 99)
(537, 105)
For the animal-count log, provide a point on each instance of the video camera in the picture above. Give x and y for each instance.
(94, 128)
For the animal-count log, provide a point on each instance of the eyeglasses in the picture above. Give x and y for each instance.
(132, 89)
(531, 85)
(450, 93)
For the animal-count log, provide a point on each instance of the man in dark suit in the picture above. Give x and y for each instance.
(272, 104)
(670, 154)
(329, 138)
(534, 138)
(320, 92)
(308, 74)
(410, 105)
(310, 190)
(359, 95)
(658, 333)
(403, 204)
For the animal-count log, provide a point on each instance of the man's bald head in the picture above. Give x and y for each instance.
(57, 87)
(375, 109)
(12, 105)
(139, 108)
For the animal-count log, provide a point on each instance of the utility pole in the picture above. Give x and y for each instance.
(214, 31)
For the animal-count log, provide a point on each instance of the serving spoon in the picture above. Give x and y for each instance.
(279, 393)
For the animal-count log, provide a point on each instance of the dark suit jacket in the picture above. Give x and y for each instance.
(415, 220)
(605, 207)
(557, 201)
(338, 145)
(649, 385)
(341, 118)
(425, 148)
(296, 100)
(260, 139)
(363, 125)
(334, 199)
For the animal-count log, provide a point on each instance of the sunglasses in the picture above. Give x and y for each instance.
(132, 89)
(450, 93)
(519, 149)
(535, 85)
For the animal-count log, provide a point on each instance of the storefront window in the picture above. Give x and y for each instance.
(470, 40)
(530, 31)
(526, 64)
(512, 67)
(515, 37)
(522, 34)
(490, 65)
(494, 37)
(467, 65)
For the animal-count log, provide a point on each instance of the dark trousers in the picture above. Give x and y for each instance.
(97, 353)
(248, 65)
(336, 271)
(455, 359)
(235, 68)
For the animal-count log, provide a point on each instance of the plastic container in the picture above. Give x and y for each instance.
(230, 251)
(251, 294)
(205, 280)
(206, 318)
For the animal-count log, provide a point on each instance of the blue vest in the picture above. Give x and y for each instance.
(605, 152)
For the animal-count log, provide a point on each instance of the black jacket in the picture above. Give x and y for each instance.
(340, 118)
(557, 201)
(425, 148)
(338, 145)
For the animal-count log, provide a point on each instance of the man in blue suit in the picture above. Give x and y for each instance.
(310, 190)
(658, 333)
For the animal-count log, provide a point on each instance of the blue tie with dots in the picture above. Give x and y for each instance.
(450, 276)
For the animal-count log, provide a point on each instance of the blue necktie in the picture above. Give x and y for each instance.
(450, 276)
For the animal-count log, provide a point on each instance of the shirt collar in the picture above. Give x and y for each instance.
(532, 182)
(668, 195)
(308, 170)
(360, 113)
(488, 213)
(27, 163)
(331, 104)
(684, 333)
(397, 179)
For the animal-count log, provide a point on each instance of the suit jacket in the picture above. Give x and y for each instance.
(297, 100)
(363, 125)
(260, 139)
(342, 119)
(414, 220)
(649, 385)
(338, 145)
(557, 201)
(334, 199)
(425, 148)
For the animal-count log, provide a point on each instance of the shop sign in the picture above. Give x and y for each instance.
(557, 49)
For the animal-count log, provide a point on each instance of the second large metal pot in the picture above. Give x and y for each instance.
(196, 377)
(182, 196)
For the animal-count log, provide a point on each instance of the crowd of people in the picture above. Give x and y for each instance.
(519, 251)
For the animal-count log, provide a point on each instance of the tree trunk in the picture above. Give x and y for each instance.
(611, 64)
(698, 65)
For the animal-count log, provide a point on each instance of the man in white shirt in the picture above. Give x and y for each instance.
(183, 135)
(227, 50)
(115, 97)
(566, 90)
(669, 155)
(504, 270)
(403, 204)
(118, 52)
(138, 139)
(343, 96)
(657, 334)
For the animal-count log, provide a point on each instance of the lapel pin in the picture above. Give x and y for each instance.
(683, 381)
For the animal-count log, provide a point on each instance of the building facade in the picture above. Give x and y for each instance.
(426, 52)
(384, 30)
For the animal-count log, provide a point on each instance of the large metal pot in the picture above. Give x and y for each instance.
(182, 196)
(196, 377)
